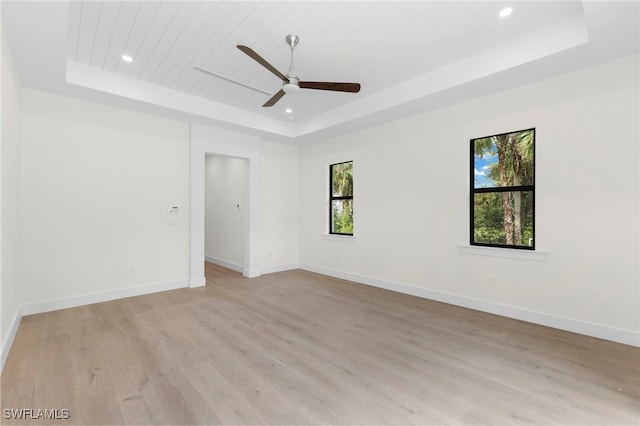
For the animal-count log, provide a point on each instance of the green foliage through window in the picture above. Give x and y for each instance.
(503, 190)
(341, 198)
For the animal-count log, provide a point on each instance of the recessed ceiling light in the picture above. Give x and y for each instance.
(127, 58)
(505, 12)
(288, 110)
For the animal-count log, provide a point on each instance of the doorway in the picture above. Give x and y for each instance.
(208, 140)
(224, 211)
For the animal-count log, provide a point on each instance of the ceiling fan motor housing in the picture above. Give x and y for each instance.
(292, 86)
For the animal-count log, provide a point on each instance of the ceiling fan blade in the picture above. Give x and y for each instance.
(336, 87)
(275, 98)
(259, 59)
(211, 73)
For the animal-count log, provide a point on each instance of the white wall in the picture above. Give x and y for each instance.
(225, 210)
(97, 183)
(411, 183)
(10, 91)
(279, 224)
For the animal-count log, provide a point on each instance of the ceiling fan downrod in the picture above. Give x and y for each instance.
(293, 85)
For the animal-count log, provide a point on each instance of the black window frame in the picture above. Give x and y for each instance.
(332, 198)
(501, 189)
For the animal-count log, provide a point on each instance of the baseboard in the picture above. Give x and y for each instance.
(105, 296)
(250, 273)
(627, 337)
(279, 268)
(224, 263)
(8, 341)
(197, 282)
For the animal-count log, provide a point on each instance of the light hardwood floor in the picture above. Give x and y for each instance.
(301, 348)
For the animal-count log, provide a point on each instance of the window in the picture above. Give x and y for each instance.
(341, 198)
(502, 190)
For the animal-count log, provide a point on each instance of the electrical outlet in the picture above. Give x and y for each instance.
(132, 269)
(492, 281)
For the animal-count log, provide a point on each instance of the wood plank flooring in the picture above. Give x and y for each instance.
(300, 348)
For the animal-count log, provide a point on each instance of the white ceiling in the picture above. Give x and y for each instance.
(408, 56)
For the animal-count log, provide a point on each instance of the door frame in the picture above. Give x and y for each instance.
(208, 140)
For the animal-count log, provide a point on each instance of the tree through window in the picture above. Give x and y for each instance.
(503, 190)
(341, 198)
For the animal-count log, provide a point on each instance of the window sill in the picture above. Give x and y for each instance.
(502, 252)
(338, 237)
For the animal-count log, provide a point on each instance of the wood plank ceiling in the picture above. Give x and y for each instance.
(378, 44)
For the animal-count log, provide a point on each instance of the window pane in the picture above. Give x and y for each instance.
(342, 178)
(342, 216)
(503, 160)
(503, 218)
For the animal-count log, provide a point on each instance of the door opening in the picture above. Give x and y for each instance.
(225, 211)
(208, 140)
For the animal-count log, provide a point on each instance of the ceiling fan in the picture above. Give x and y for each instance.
(290, 82)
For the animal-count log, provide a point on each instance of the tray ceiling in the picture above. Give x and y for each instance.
(408, 56)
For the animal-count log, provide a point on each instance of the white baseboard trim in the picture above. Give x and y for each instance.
(8, 341)
(197, 282)
(251, 273)
(104, 296)
(600, 331)
(224, 263)
(280, 268)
